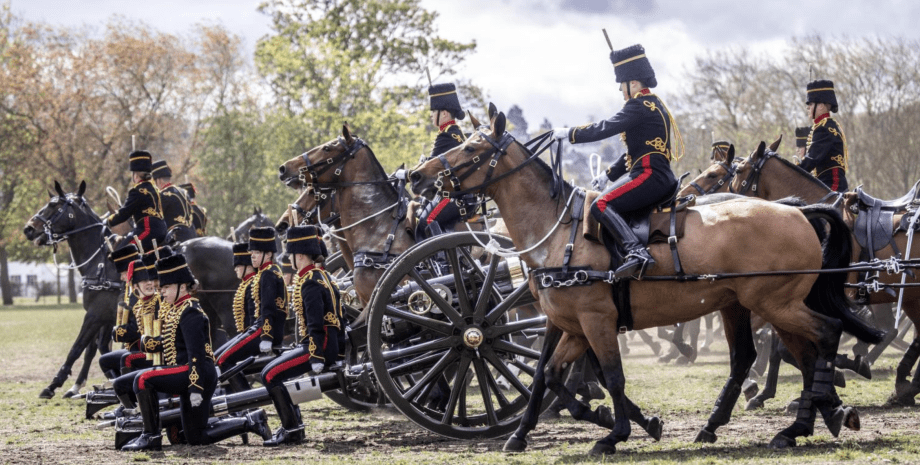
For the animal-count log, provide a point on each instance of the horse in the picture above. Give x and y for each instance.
(808, 310)
(69, 217)
(766, 175)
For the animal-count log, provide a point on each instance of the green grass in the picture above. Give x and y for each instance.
(34, 341)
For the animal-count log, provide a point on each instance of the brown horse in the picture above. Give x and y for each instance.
(798, 305)
(767, 175)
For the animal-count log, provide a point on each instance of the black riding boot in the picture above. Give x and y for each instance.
(637, 259)
(151, 439)
(291, 431)
(227, 427)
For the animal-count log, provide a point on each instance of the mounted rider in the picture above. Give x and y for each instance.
(826, 147)
(642, 177)
(199, 213)
(440, 215)
(143, 204)
(177, 212)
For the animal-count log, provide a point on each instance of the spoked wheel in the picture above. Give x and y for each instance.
(364, 393)
(451, 339)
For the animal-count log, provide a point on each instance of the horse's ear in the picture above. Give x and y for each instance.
(82, 189)
(50, 195)
(473, 120)
(57, 187)
(492, 111)
(346, 133)
(699, 171)
(498, 126)
(759, 152)
(731, 154)
(775, 145)
(401, 167)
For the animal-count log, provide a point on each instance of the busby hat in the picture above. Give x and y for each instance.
(821, 92)
(140, 161)
(630, 64)
(286, 266)
(262, 239)
(303, 240)
(124, 256)
(801, 136)
(150, 261)
(322, 247)
(444, 97)
(189, 189)
(174, 270)
(142, 272)
(241, 255)
(160, 169)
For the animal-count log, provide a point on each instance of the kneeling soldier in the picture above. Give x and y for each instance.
(246, 342)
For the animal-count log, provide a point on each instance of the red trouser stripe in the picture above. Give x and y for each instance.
(146, 232)
(142, 379)
(835, 172)
(235, 348)
(636, 182)
(286, 365)
(132, 357)
(437, 210)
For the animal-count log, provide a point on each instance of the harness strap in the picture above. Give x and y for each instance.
(577, 211)
(672, 240)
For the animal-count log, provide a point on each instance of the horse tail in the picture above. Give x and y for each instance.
(827, 295)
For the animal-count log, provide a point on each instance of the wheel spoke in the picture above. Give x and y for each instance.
(503, 402)
(434, 372)
(485, 292)
(436, 344)
(457, 390)
(506, 304)
(506, 373)
(415, 365)
(481, 376)
(463, 296)
(520, 325)
(429, 323)
(532, 371)
(510, 347)
(449, 311)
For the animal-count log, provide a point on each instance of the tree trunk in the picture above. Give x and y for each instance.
(5, 287)
(72, 286)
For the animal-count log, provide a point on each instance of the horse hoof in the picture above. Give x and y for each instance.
(782, 442)
(69, 394)
(851, 419)
(835, 422)
(605, 417)
(839, 379)
(601, 449)
(793, 407)
(46, 394)
(750, 389)
(656, 348)
(863, 368)
(754, 404)
(683, 361)
(513, 444)
(591, 391)
(705, 437)
(655, 427)
(896, 400)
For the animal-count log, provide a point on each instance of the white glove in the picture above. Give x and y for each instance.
(316, 367)
(600, 182)
(561, 133)
(265, 347)
(195, 399)
(400, 174)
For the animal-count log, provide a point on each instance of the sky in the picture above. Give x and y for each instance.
(549, 56)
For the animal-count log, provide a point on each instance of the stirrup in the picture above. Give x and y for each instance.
(634, 266)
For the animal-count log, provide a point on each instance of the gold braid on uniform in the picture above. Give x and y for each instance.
(297, 305)
(239, 304)
(256, 280)
(334, 317)
(141, 308)
(170, 315)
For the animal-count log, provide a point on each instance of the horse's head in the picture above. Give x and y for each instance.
(322, 164)
(307, 209)
(257, 220)
(469, 165)
(747, 171)
(716, 178)
(64, 213)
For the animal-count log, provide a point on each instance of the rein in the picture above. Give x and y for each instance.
(754, 177)
(729, 174)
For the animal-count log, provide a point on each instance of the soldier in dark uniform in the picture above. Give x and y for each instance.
(440, 215)
(642, 177)
(826, 147)
(268, 289)
(143, 204)
(318, 311)
(189, 372)
(177, 212)
(246, 342)
(801, 141)
(720, 151)
(110, 363)
(199, 213)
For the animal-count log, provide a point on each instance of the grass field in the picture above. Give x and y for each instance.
(34, 340)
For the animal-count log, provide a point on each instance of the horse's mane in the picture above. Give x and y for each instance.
(803, 173)
(548, 171)
(379, 168)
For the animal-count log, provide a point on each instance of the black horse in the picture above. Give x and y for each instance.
(68, 217)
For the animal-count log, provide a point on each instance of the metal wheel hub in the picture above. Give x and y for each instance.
(473, 337)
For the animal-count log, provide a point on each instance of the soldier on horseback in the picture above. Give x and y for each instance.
(143, 204)
(177, 212)
(826, 148)
(642, 177)
(199, 213)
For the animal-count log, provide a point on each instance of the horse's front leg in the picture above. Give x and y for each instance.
(602, 335)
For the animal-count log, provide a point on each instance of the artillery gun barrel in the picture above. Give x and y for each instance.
(503, 281)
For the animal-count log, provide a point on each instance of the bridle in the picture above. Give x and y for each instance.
(47, 223)
(750, 183)
(336, 163)
(729, 174)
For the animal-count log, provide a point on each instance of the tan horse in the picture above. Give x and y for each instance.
(772, 237)
(766, 175)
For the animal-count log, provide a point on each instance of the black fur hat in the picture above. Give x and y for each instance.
(189, 190)
(241, 255)
(801, 136)
(323, 248)
(821, 92)
(142, 272)
(160, 170)
(444, 97)
(303, 240)
(286, 266)
(150, 260)
(630, 64)
(140, 161)
(124, 256)
(262, 239)
(174, 270)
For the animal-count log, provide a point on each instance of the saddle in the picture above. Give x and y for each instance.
(874, 226)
